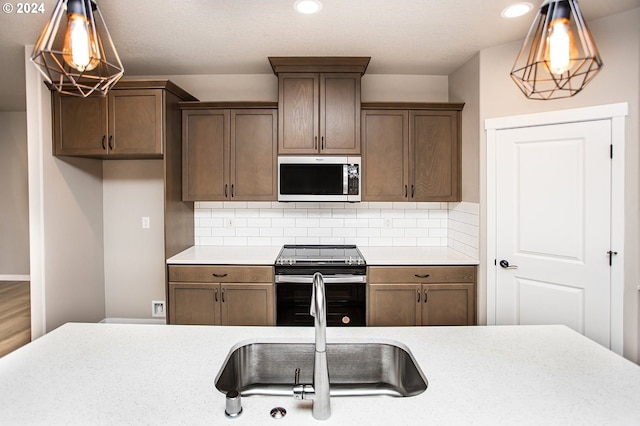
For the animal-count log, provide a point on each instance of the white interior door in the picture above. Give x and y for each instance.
(553, 226)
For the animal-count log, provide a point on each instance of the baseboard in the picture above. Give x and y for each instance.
(133, 321)
(15, 277)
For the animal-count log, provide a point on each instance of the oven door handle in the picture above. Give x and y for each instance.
(308, 279)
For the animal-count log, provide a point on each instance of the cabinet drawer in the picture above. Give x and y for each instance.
(422, 274)
(221, 274)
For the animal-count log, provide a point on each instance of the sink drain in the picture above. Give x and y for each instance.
(278, 412)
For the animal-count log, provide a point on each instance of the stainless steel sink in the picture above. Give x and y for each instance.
(355, 369)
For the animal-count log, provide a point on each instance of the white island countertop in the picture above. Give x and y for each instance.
(117, 374)
(237, 255)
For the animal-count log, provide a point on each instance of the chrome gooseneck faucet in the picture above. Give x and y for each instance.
(319, 393)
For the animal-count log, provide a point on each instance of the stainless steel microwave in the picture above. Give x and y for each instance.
(303, 178)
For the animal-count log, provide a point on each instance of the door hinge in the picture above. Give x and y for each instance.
(611, 254)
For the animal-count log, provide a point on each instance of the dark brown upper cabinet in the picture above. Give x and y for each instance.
(319, 104)
(129, 122)
(229, 151)
(411, 152)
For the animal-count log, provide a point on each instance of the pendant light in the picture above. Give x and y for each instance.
(75, 52)
(558, 57)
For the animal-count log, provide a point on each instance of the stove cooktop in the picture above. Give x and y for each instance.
(320, 255)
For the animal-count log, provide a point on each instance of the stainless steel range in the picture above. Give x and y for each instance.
(344, 272)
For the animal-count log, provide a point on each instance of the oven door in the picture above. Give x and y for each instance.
(346, 300)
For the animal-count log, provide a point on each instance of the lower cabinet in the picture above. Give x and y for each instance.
(221, 295)
(410, 296)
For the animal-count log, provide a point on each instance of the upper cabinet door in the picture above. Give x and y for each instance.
(253, 152)
(205, 155)
(135, 122)
(298, 106)
(79, 125)
(340, 113)
(385, 155)
(434, 151)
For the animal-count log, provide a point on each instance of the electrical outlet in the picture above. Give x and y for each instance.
(158, 309)
(228, 222)
(387, 222)
(146, 222)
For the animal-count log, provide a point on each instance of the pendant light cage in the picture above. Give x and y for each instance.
(51, 58)
(534, 71)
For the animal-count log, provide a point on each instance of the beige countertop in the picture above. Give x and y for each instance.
(236, 255)
(116, 374)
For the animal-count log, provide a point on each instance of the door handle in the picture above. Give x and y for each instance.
(426, 296)
(505, 264)
(223, 295)
(215, 292)
(111, 142)
(418, 291)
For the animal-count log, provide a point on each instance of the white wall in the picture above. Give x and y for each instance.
(65, 223)
(14, 193)
(618, 39)
(134, 262)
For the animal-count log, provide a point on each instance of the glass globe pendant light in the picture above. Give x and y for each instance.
(76, 55)
(559, 56)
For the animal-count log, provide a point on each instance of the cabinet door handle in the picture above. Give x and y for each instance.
(223, 295)
(426, 296)
(103, 139)
(322, 140)
(418, 291)
(219, 275)
(413, 191)
(225, 190)
(315, 142)
(232, 194)
(110, 142)
(215, 293)
(421, 275)
(406, 191)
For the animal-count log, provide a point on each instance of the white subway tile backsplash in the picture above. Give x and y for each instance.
(455, 225)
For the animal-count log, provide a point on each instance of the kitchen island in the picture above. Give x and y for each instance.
(161, 374)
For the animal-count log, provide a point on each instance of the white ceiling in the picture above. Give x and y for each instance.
(165, 37)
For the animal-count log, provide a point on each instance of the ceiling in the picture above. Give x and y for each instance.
(171, 37)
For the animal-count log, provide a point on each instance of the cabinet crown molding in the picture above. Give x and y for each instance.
(325, 64)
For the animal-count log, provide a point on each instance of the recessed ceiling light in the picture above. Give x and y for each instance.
(307, 6)
(517, 9)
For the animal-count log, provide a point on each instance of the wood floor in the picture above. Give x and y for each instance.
(15, 315)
